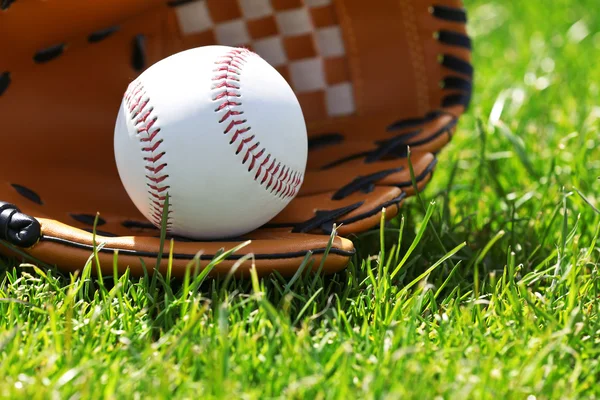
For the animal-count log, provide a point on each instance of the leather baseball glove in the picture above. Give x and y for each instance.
(373, 78)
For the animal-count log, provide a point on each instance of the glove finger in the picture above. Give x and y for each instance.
(351, 195)
(386, 138)
(70, 248)
(355, 175)
(355, 213)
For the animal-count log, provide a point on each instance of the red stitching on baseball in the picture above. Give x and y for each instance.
(225, 84)
(229, 113)
(276, 169)
(152, 148)
(154, 158)
(152, 135)
(144, 117)
(137, 104)
(227, 104)
(234, 123)
(157, 196)
(158, 189)
(237, 133)
(285, 185)
(156, 170)
(226, 94)
(157, 179)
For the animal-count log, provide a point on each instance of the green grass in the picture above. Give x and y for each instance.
(499, 297)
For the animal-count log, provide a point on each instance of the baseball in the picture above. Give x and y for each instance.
(220, 131)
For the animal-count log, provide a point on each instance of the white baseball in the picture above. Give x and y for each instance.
(220, 131)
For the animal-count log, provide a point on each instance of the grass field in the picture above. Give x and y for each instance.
(513, 313)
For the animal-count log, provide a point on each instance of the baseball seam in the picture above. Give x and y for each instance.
(157, 180)
(282, 181)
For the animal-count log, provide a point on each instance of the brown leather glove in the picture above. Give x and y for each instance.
(372, 78)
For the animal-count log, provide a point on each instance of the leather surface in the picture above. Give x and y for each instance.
(64, 67)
